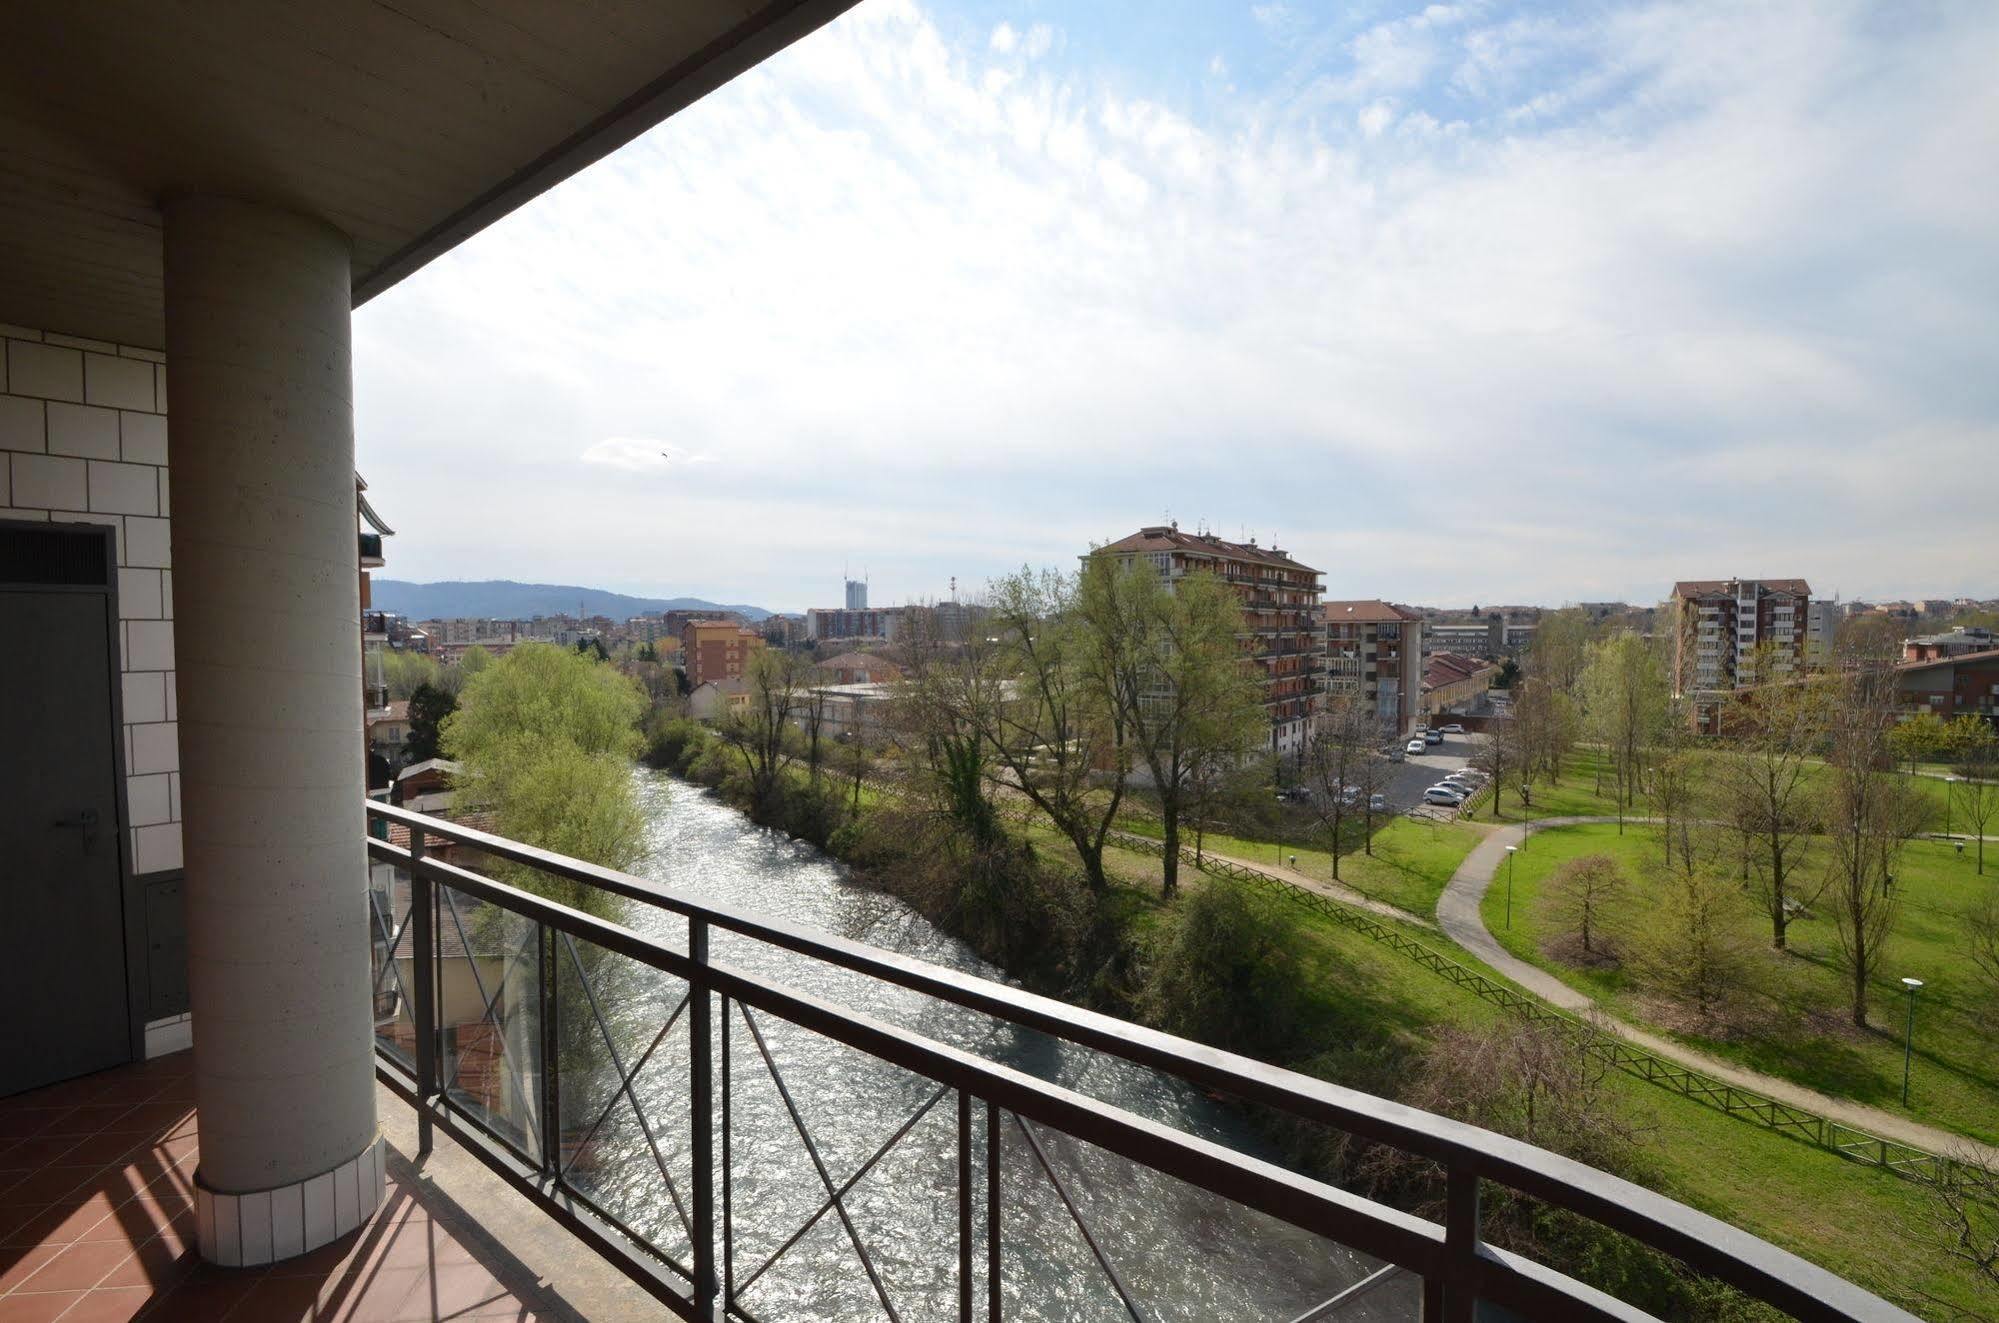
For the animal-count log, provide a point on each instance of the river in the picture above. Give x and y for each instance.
(1180, 1253)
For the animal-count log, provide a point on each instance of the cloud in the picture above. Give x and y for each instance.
(1489, 304)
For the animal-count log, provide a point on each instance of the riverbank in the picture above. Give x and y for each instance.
(1258, 976)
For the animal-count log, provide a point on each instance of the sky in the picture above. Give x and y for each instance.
(1459, 303)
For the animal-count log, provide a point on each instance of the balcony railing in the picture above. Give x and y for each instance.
(650, 1098)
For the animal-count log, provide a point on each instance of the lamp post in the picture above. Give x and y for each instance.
(1909, 1036)
(1948, 782)
(1511, 850)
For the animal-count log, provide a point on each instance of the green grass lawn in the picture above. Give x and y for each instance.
(1412, 862)
(1862, 1223)
(1793, 1017)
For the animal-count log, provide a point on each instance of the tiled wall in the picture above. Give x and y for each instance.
(83, 438)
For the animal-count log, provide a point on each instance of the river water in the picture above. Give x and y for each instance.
(1179, 1253)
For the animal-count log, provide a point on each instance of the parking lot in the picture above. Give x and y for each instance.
(1418, 772)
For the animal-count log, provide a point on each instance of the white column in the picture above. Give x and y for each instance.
(268, 651)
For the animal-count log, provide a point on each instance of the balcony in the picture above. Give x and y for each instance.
(668, 1107)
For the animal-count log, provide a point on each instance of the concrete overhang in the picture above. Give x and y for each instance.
(408, 126)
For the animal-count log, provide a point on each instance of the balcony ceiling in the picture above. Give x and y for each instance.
(410, 126)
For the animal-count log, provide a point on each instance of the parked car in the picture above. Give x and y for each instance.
(1454, 729)
(1458, 779)
(1433, 737)
(1462, 792)
(1294, 795)
(1395, 753)
(1444, 795)
(1377, 803)
(1413, 746)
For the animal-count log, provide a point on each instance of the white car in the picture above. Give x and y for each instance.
(1460, 779)
(1413, 746)
(1454, 729)
(1444, 795)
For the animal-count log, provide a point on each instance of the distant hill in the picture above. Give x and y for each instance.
(506, 600)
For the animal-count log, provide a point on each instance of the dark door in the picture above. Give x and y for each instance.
(62, 930)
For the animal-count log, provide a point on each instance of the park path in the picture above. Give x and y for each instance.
(1458, 915)
(1339, 891)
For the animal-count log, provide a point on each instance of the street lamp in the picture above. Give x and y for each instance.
(1511, 850)
(1909, 1037)
(1948, 782)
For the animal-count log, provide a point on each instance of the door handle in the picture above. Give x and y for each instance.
(85, 822)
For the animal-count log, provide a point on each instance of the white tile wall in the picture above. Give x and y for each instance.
(83, 439)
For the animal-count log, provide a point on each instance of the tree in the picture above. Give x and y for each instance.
(473, 660)
(1974, 795)
(812, 718)
(403, 671)
(1679, 784)
(758, 730)
(1765, 786)
(1923, 738)
(1544, 722)
(547, 738)
(1691, 945)
(1336, 766)
(1056, 726)
(1624, 699)
(1168, 658)
(1869, 814)
(1581, 894)
(1498, 756)
(944, 719)
(1981, 942)
(1560, 654)
(429, 706)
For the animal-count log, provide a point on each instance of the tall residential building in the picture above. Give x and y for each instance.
(857, 594)
(1280, 600)
(717, 649)
(823, 624)
(1374, 651)
(1734, 633)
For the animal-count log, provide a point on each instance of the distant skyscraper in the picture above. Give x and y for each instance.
(857, 595)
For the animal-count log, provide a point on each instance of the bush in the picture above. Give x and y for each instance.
(671, 740)
(1225, 973)
(1579, 898)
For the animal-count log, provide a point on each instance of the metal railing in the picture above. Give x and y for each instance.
(573, 1010)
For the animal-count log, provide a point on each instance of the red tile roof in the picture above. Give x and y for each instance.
(1168, 538)
(1367, 611)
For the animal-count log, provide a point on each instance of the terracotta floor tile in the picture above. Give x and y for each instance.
(78, 1267)
(280, 1300)
(156, 1264)
(48, 1185)
(45, 1308)
(16, 1266)
(41, 1150)
(31, 1225)
(112, 1306)
(201, 1299)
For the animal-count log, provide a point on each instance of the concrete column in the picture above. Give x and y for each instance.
(268, 653)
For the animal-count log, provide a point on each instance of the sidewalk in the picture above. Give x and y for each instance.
(1458, 915)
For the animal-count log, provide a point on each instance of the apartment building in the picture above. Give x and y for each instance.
(1374, 652)
(1282, 629)
(717, 649)
(1952, 643)
(1453, 681)
(1724, 627)
(823, 624)
(1950, 685)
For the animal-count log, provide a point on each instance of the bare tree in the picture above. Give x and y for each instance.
(1168, 657)
(1545, 720)
(944, 720)
(1679, 785)
(1974, 795)
(1581, 894)
(1981, 941)
(1870, 814)
(1624, 699)
(757, 730)
(811, 716)
(1342, 744)
(1498, 756)
(1056, 726)
(1765, 781)
(1963, 1220)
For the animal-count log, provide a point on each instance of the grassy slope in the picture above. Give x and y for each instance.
(1795, 1023)
(1859, 1222)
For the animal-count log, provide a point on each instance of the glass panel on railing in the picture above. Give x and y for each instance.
(626, 1140)
(1090, 1234)
(874, 1216)
(392, 961)
(489, 1015)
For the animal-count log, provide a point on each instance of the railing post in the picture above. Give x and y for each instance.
(701, 1093)
(1460, 1297)
(992, 1212)
(423, 1011)
(964, 1207)
(551, 1057)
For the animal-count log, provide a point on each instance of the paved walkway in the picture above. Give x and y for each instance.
(1458, 915)
(1337, 890)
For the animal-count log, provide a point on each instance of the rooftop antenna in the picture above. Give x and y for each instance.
(954, 588)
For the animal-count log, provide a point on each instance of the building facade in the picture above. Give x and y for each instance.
(1374, 652)
(823, 624)
(1452, 680)
(717, 650)
(1951, 685)
(857, 595)
(1281, 628)
(1734, 633)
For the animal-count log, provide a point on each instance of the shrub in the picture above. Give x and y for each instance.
(1225, 973)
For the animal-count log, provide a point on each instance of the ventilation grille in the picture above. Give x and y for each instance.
(68, 557)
